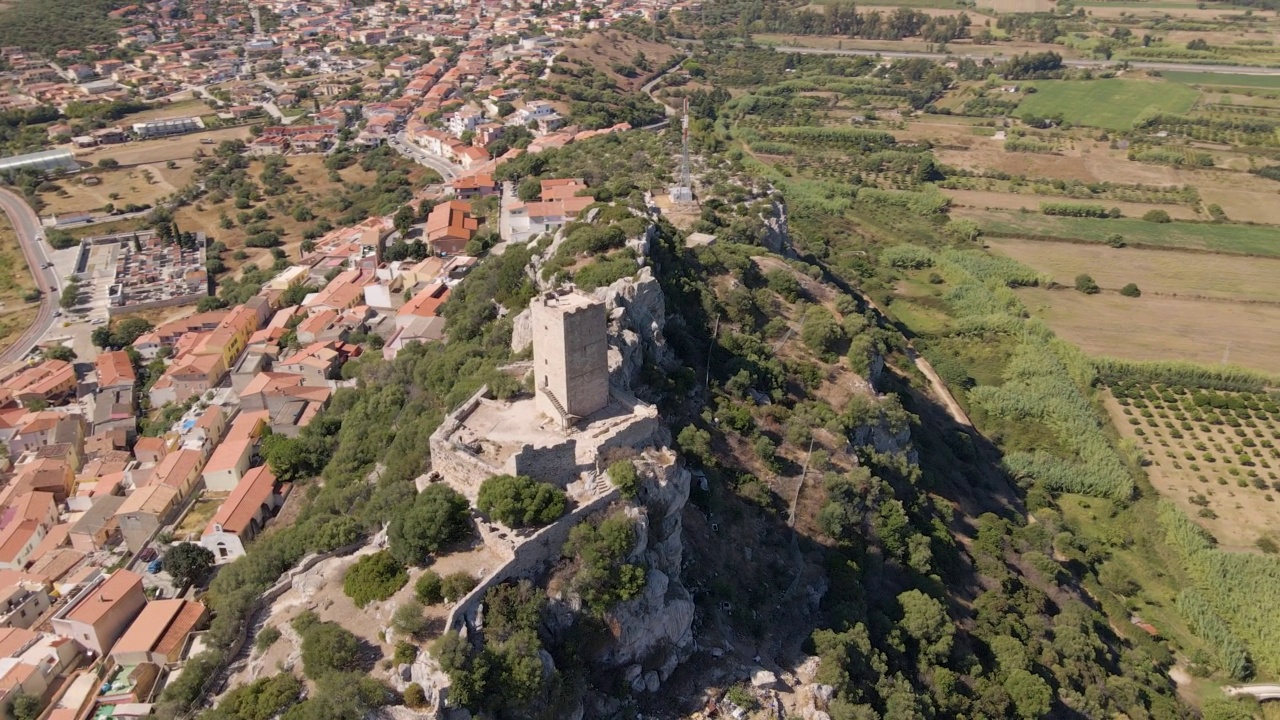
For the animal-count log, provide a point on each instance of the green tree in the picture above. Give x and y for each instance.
(925, 619)
(1031, 695)
(404, 219)
(1130, 290)
(439, 515)
(70, 295)
(60, 352)
(820, 331)
(374, 577)
(24, 706)
(529, 189)
(1157, 216)
(188, 563)
(520, 501)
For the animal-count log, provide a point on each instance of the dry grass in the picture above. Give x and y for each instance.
(182, 147)
(1243, 514)
(181, 108)
(313, 184)
(1161, 327)
(1157, 272)
(604, 49)
(140, 185)
(15, 280)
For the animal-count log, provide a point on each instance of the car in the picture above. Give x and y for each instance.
(147, 555)
(97, 321)
(154, 566)
(57, 313)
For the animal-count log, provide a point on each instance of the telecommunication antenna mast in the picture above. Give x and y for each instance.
(683, 190)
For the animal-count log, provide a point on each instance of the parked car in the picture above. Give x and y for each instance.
(154, 566)
(147, 555)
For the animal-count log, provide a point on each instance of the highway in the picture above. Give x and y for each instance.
(1074, 62)
(27, 225)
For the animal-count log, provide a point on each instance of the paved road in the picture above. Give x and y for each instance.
(400, 143)
(1161, 66)
(27, 225)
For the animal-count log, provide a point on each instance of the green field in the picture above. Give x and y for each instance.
(1242, 239)
(1224, 80)
(1111, 104)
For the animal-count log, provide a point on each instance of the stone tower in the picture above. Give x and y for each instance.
(570, 365)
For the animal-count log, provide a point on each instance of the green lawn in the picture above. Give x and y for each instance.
(1242, 239)
(1111, 104)
(1224, 80)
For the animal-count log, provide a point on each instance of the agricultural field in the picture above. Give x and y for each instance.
(1161, 327)
(1268, 82)
(16, 314)
(1215, 454)
(1111, 104)
(1225, 238)
(1156, 272)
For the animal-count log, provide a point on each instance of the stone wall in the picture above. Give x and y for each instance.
(557, 464)
(530, 558)
(463, 468)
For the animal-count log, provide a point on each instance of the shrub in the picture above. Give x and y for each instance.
(428, 588)
(408, 619)
(328, 647)
(405, 653)
(266, 638)
(1086, 285)
(374, 577)
(414, 696)
(1157, 216)
(455, 586)
(624, 477)
(520, 501)
(1130, 290)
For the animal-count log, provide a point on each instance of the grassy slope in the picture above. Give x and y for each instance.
(1111, 104)
(15, 279)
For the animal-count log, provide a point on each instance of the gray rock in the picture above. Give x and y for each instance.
(651, 681)
(763, 679)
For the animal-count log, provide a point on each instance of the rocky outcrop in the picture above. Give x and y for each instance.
(654, 632)
(886, 438)
(637, 314)
(777, 237)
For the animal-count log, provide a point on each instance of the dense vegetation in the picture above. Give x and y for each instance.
(47, 27)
